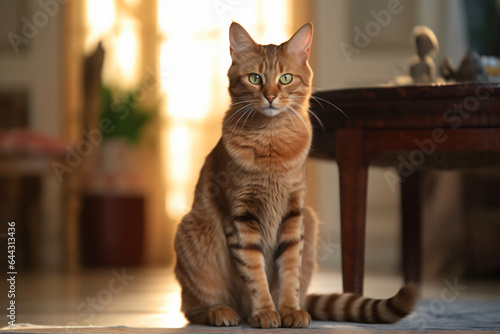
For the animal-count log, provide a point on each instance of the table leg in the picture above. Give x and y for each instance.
(353, 176)
(411, 227)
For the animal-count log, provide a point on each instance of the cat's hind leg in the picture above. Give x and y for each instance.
(219, 315)
(202, 269)
(222, 315)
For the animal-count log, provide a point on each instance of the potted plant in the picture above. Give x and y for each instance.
(112, 219)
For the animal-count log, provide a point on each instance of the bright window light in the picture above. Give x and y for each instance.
(194, 58)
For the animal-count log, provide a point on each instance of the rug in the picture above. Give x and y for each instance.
(431, 316)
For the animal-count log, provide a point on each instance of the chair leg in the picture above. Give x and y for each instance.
(353, 176)
(411, 228)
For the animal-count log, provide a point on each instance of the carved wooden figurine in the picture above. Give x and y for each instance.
(422, 68)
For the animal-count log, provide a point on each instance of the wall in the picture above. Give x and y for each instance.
(37, 69)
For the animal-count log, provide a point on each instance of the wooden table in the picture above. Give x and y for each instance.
(410, 128)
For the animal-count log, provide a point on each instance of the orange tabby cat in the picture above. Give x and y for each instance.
(246, 249)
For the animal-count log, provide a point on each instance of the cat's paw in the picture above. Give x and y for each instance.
(269, 319)
(296, 319)
(223, 316)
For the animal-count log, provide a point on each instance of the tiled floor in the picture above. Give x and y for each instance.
(139, 297)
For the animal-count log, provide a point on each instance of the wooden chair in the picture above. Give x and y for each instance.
(409, 127)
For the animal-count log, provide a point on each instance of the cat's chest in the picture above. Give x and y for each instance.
(272, 151)
(270, 154)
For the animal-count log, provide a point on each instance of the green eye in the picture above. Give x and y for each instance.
(255, 79)
(285, 79)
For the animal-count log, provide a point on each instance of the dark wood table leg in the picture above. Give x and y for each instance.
(353, 175)
(411, 227)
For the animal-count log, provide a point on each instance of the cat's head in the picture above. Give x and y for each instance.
(270, 79)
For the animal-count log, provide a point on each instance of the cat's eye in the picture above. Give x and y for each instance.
(285, 79)
(255, 79)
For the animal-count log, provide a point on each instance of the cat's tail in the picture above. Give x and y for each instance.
(356, 308)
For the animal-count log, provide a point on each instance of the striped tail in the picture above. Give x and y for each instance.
(356, 308)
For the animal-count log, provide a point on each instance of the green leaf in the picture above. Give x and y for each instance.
(124, 113)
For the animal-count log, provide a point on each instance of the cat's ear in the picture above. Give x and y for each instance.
(240, 41)
(299, 45)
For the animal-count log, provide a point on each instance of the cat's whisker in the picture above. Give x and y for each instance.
(243, 112)
(235, 113)
(311, 112)
(240, 102)
(236, 123)
(318, 99)
(251, 112)
(291, 117)
(300, 118)
(315, 99)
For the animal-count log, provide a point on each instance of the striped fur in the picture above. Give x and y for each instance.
(246, 250)
(356, 308)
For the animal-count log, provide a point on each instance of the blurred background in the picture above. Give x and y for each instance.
(109, 107)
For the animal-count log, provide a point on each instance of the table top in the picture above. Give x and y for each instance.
(394, 113)
(447, 105)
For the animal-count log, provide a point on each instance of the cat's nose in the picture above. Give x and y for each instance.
(270, 98)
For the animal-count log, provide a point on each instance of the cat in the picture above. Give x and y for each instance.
(246, 249)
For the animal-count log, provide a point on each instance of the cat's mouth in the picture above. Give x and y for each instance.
(270, 111)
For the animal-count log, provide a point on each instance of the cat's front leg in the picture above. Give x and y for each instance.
(288, 258)
(244, 241)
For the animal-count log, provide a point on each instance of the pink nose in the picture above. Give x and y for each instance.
(270, 98)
